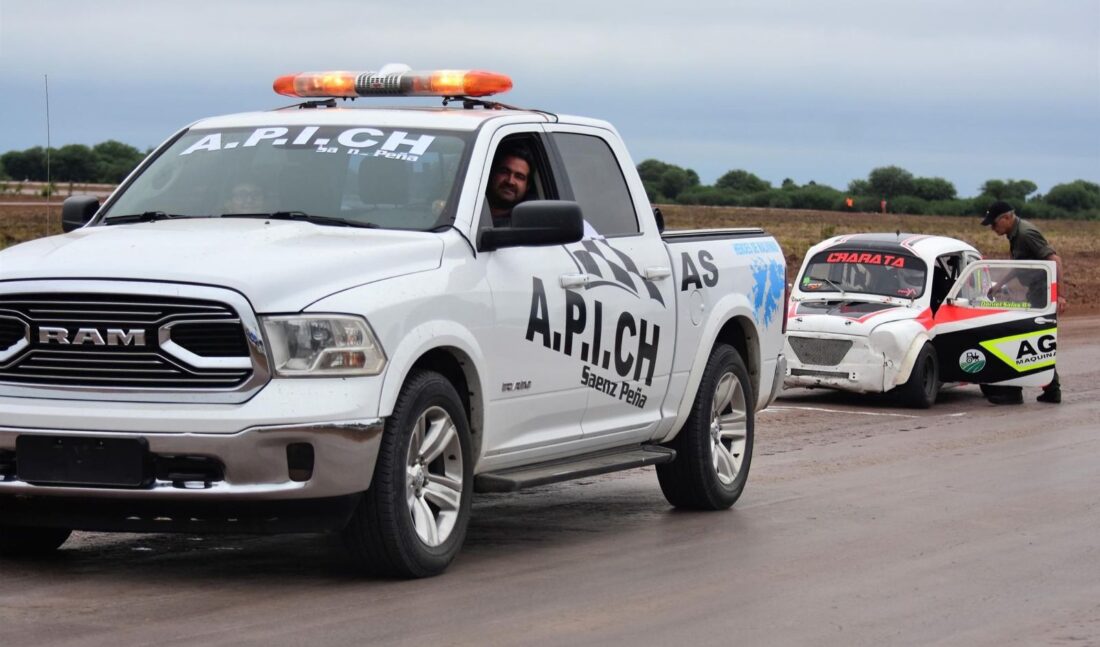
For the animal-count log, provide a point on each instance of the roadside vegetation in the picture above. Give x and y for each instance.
(107, 162)
(901, 191)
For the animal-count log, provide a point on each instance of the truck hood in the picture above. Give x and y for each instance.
(846, 316)
(280, 266)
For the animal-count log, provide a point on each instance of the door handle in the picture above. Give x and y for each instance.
(1045, 320)
(657, 273)
(574, 280)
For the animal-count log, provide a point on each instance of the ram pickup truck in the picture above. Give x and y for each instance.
(306, 319)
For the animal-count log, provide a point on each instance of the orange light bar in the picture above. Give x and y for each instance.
(317, 84)
(439, 83)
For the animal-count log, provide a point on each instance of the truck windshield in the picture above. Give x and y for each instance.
(862, 271)
(375, 177)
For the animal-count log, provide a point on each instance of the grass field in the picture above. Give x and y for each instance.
(1077, 242)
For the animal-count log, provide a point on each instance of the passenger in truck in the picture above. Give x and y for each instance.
(246, 197)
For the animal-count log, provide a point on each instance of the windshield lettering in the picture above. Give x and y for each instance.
(418, 146)
(865, 257)
(208, 143)
(266, 133)
(335, 175)
(350, 138)
(853, 272)
(353, 140)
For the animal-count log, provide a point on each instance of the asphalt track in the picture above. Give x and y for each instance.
(862, 524)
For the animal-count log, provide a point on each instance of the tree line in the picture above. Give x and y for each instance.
(108, 162)
(901, 191)
(111, 161)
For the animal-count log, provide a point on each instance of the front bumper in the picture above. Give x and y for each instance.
(862, 369)
(255, 464)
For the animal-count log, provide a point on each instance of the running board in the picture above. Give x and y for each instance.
(510, 480)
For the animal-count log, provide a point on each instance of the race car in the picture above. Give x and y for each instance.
(906, 313)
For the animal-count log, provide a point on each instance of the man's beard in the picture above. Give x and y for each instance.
(497, 202)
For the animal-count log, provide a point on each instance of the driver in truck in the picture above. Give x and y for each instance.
(508, 182)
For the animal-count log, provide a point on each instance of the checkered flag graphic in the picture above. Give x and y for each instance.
(600, 259)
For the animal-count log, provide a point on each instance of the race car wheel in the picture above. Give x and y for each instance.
(920, 390)
(412, 521)
(18, 541)
(714, 447)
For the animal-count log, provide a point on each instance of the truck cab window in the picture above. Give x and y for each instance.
(598, 184)
(518, 172)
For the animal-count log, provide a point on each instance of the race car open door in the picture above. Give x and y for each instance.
(999, 324)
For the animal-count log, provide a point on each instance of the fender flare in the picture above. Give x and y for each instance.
(417, 342)
(905, 369)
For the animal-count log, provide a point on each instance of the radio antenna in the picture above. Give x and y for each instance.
(49, 192)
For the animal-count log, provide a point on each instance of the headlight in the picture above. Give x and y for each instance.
(322, 345)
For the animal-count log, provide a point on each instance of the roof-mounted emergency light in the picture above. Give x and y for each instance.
(393, 81)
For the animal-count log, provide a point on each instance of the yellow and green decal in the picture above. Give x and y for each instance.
(1026, 352)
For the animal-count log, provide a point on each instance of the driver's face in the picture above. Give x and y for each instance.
(509, 180)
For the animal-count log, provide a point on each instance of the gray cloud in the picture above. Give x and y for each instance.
(964, 90)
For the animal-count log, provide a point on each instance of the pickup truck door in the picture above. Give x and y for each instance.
(624, 279)
(535, 344)
(999, 325)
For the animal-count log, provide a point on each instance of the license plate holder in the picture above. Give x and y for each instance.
(82, 461)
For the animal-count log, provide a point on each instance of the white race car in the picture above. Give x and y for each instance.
(872, 313)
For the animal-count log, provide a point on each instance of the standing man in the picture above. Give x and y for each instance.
(1025, 242)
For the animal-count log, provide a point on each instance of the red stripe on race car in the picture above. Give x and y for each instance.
(949, 314)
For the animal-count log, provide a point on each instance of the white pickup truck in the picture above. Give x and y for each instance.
(305, 319)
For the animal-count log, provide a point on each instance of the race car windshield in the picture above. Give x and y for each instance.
(857, 271)
(359, 176)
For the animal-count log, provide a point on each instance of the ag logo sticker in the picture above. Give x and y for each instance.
(1026, 352)
(972, 361)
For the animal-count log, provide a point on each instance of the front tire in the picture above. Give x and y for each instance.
(920, 390)
(19, 541)
(413, 519)
(714, 447)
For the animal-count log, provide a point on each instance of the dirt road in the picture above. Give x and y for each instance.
(862, 524)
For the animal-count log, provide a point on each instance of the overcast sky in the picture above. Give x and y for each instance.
(967, 90)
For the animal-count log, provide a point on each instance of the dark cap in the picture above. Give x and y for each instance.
(998, 208)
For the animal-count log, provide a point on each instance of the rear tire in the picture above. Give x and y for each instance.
(714, 447)
(920, 390)
(413, 519)
(19, 541)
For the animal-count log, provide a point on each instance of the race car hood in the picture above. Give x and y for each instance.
(280, 266)
(846, 316)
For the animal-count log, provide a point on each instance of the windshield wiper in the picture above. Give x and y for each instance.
(307, 217)
(148, 216)
(838, 288)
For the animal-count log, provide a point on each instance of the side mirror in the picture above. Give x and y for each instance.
(660, 218)
(77, 210)
(538, 222)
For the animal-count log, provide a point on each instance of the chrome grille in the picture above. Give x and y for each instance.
(211, 339)
(118, 340)
(11, 331)
(819, 352)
